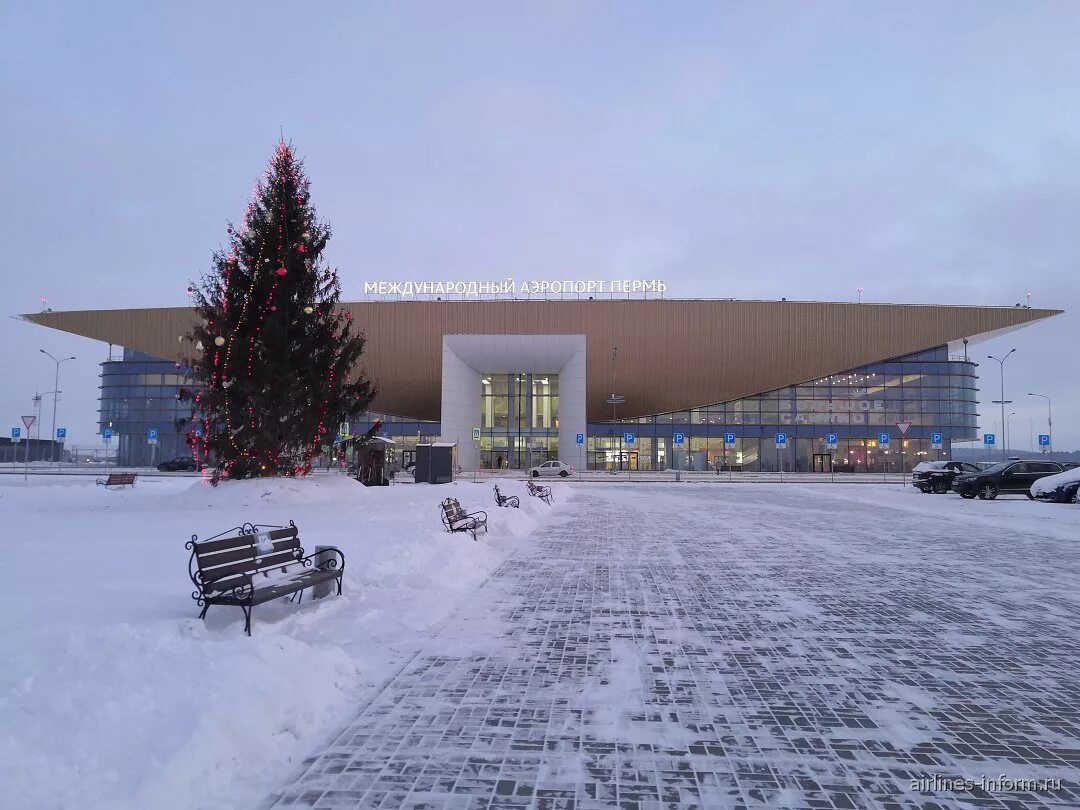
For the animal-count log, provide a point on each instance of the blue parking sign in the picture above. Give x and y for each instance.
(151, 434)
(729, 441)
(106, 434)
(830, 441)
(935, 441)
(580, 438)
(16, 433)
(61, 433)
(680, 438)
(781, 441)
(628, 438)
(883, 439)
(1044, 440)
(989, 439)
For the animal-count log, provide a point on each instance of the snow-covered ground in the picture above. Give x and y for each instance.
(114, 695)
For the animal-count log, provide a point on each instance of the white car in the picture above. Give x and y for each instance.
(551, 468)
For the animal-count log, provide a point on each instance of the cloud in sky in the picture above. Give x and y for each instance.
(926, 155)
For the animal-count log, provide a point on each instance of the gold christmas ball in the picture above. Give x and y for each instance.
(308, 310)
(219, 341)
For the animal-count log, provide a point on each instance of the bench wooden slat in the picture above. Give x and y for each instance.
(118, 480)
(248, 551)
(250, 565)
(276, 588)
(238, 540)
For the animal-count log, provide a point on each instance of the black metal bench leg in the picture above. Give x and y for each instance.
(247, 619)
(206, 607)
(339, 586)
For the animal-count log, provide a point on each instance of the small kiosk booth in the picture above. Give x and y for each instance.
(373, 462)
(435, 463)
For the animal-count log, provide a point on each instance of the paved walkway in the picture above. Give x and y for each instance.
(712, 647)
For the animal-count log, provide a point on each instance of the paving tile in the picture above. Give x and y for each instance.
(735, 648)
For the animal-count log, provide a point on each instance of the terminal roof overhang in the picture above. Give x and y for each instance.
(674, 354)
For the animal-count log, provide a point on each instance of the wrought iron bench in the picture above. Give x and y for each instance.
(117, 480)
(541, 492)
(506, 500)
(226, 567)
(455, 519)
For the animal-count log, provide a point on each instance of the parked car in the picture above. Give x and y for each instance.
(1060, 488)
(551, 468)
(938, 476)
(178, 464)
(1005, 478)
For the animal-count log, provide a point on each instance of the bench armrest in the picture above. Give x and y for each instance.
(477, 514)
(334, 563)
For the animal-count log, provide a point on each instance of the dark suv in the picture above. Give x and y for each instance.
(938, 476)
(1006, 478)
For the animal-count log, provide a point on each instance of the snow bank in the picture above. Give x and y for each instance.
(114, 695)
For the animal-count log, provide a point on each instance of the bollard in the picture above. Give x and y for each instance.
(323, 588)
(678, 475)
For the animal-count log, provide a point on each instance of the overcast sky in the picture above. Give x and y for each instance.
(928, 153)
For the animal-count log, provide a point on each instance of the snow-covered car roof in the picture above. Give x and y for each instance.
(926, 466)
(1052, 482)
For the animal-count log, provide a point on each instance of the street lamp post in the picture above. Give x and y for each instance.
(56, 392)
(1008, 423)
(1049, 419)
(1003, 402)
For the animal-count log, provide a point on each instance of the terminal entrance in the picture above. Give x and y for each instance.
(624, 460)
(519, 420)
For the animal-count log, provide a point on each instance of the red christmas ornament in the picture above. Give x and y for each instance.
(281, 271)
(229, 230)
(301, 249)
(273, 309)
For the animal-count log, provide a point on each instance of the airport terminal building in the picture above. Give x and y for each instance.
(617, 383)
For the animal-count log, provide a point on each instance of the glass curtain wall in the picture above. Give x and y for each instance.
(928, 389)
(519, 420)
(139, 393)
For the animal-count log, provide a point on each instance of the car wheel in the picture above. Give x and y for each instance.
(941, 487)
(967, 494)
(988, 492)
(924, 490)
(535, 474)
(563, 473)
(1030, 496)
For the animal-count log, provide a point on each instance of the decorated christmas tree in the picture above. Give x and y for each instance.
(273, 355)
